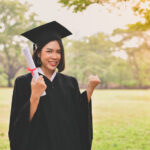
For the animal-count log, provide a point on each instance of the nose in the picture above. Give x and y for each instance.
(54, 55)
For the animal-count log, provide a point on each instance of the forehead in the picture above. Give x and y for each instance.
(53, 45)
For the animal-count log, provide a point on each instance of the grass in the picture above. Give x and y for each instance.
(121, 119)
(5, 103)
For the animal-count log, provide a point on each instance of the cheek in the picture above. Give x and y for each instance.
(44, 57)
(59, 56)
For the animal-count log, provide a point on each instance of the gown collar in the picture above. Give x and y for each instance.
(41, 72)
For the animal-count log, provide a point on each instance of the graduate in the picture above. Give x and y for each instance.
(61, 119)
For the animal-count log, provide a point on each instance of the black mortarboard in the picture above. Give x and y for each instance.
(45, 33)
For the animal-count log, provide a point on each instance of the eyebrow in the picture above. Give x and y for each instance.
(53, 49)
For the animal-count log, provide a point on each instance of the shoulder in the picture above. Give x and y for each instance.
(68, 79)
(22, 84)
(24, 78)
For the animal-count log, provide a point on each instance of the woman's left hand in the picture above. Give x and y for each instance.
(93, 82)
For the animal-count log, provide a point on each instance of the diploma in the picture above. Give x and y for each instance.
(31, 64)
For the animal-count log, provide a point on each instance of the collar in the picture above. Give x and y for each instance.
(40, 71)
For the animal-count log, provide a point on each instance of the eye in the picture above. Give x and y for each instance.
(49, 50)
(59, 51)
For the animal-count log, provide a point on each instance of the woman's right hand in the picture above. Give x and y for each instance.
(37, 87)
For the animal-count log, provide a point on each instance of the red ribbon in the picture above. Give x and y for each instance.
(31, 70)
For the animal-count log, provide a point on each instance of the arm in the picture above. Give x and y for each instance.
(19, 115)
(24, 112)
(84, 109)
(34, 101)
(89, 93)
(37, 89)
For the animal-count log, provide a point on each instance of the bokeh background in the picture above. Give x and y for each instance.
(110, 39)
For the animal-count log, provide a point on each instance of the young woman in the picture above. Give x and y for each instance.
(62, 119)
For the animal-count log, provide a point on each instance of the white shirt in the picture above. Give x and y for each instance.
(53, 75)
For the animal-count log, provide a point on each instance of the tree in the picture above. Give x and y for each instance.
(14, 19)
(92, 55)
(83, 4)
(95, 55)
(138, 54)
(142, 9)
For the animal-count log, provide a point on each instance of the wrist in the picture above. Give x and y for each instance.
(34, 98)
(89, 89)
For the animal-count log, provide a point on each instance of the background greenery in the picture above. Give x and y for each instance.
(91, 55)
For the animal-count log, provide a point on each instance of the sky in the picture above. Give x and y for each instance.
(94, 19)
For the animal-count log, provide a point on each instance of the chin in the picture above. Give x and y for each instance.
(51, 68)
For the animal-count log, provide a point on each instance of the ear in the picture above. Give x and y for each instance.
(39, 54)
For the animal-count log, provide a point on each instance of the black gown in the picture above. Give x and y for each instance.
(63, 120)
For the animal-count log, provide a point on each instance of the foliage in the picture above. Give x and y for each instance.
(138, 54)
(92, 55)
(95, 55)
(80, 5)
(14, 19)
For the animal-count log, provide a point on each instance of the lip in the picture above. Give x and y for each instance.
(50, 62)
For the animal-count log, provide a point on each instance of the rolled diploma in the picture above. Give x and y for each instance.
(30, 61)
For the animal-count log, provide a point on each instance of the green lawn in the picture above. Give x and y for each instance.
(121, 119)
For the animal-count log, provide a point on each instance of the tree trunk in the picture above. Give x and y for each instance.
(9, 82)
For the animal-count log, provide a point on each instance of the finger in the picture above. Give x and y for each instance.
(33, 80)
(91, 76)
(40, 77)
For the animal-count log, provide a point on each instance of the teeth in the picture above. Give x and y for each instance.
(53, 63)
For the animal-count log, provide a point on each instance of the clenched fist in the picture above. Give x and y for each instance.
(93, 82)
(38, 87)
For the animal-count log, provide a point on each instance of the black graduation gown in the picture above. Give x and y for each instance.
(63, 119)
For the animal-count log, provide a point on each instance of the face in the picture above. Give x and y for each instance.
(50, 55)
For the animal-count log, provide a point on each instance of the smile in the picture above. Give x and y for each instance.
(52, 63)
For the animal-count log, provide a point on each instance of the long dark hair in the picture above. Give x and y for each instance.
(37, 48)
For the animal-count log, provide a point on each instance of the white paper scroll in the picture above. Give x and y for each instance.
(30, 61)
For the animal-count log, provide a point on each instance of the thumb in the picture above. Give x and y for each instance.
(33, 80)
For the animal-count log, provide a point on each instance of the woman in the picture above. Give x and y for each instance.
(62, 119)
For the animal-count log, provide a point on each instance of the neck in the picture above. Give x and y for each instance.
(47, 73)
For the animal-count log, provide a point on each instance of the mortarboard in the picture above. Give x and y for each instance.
(45, 33)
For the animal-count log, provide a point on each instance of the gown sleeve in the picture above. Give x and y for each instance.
(84, 117)
(19, 116)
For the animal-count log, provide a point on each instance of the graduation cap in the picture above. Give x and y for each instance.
(45, 33)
